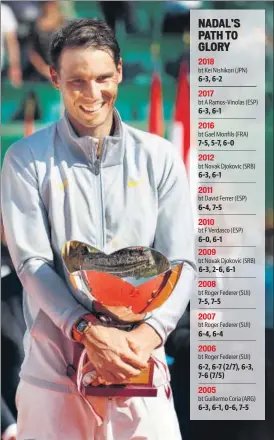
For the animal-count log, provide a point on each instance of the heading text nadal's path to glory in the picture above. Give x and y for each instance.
(227, 79)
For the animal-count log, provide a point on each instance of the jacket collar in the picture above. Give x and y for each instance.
(112, 147)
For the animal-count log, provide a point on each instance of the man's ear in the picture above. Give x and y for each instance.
(54, 77)
(120, 71)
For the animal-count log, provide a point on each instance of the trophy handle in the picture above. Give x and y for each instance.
(167, 286)
(157, 292)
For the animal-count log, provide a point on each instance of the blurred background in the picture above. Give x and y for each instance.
(154, 41)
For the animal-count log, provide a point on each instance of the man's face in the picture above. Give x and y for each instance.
(88, 79)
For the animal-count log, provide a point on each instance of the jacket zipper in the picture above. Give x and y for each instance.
(99, 199)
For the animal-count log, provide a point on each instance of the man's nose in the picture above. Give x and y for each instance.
(93, 90)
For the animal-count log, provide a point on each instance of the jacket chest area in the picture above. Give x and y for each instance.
(115, 208)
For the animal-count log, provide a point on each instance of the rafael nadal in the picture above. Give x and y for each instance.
(90, 177)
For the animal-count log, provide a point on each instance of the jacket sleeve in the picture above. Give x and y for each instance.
(27, 233)
(175, 239)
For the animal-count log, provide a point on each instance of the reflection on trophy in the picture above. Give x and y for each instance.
(122, 288)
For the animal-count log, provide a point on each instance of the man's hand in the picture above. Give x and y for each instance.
(114, 359)
(10, 433)
(143, 340)
(15, 75)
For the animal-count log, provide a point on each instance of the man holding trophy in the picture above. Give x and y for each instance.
(98, 224)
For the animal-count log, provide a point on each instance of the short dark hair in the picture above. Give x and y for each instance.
(84, 33)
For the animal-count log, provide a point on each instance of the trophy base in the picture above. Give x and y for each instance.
(120, 391)
(139, 386)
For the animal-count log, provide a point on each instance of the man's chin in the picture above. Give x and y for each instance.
(92, 123)
(92, 118)
(89, 119)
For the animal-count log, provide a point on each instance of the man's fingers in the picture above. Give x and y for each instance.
(134, 360)
(126, 369)
(121, 377)
(103, 381)
(119, 371)
(133, 346)
(96, 382)
(109, 378)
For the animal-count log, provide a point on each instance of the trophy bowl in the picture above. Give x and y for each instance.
(121, 289)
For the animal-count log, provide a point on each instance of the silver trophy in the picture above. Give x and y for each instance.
(121, 289)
